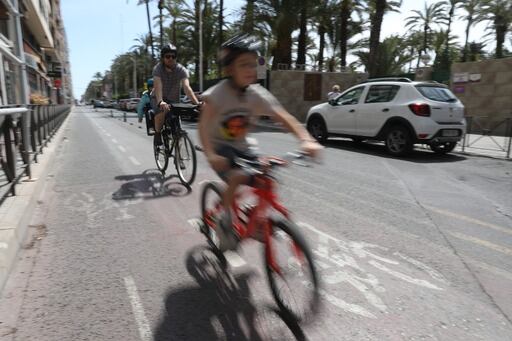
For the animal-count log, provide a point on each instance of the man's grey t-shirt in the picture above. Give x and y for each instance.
(236, 112)
(171, 81)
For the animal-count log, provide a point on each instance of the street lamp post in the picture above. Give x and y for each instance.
(160, 7)
(201, 48)
(134, 77)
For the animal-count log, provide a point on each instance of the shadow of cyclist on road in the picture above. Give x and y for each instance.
(151, 184)
(220, 308)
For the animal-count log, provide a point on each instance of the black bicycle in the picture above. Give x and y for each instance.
(177, 144)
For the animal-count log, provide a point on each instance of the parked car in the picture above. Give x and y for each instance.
(98, 104)
(122, 103)
(131, 104)
(398, 111)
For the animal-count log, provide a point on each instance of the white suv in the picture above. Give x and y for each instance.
(398, 111)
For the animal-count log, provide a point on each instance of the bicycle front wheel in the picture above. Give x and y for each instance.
(161, 157)
(185, 159)
(291, 271)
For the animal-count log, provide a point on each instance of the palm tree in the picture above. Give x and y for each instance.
(391, 59)
(323, 16)
(471, 7)
(146, 2)
(377, 10)
(345, 22)
(221, 31)
(499, 13)
(453, 6)
(301, 53)
(431, 15)
(280, 17)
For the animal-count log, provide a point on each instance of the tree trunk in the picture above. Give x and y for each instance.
(376, 22)
(345, 16)
(283, 51)
(248, 25)
(501, 31)
(465, 52)
(301, 52)
(321, 34)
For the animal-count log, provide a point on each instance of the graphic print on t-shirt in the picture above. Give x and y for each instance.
(234, 125)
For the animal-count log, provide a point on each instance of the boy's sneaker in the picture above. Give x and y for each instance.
(225, 233)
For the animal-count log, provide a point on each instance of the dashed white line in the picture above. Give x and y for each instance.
(134, 161)
(114, 140)
(108, 135)
(138, 310)
(121, 148)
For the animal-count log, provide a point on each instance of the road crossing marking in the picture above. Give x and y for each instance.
(138, 310)
(134, 161)
(468, 219)
(482, 242)
(121, 148)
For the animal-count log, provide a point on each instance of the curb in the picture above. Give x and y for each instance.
(16, 211)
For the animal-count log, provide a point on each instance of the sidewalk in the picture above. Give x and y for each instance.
(16, 212)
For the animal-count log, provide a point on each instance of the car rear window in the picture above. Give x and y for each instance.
(381, 93)
(436, 93)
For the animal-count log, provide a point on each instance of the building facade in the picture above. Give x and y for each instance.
(44, 48)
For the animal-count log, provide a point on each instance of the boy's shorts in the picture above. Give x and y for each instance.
(231, 153)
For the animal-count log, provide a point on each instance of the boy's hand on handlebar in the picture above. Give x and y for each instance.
(311, 148)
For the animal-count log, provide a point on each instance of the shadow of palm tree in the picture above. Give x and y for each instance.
(219, 307)
(151, 184)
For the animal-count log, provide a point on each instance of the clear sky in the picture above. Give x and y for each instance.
(98, 30)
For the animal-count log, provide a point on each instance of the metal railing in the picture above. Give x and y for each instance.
(24, 132)
(496, 137)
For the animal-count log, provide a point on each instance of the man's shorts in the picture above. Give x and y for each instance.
(231, 153)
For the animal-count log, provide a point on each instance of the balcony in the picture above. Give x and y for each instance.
(38, 21)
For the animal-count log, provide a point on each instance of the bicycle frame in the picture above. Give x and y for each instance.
(257, 220)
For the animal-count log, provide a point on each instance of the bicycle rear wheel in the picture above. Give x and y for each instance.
(211, 206)
(291, 271)
(160, 152)
(185, 159)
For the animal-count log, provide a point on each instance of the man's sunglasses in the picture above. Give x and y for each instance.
(169, 56)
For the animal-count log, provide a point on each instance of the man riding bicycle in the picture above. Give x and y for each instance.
(229, 110)
(168, 78)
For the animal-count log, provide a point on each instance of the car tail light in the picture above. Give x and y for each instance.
(420, 109)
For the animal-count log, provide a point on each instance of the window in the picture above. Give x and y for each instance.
(436, 93)
(381, 93)
(350, 97)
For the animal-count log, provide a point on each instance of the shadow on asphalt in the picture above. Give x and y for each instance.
(219, 307)
(378, 149)
(151, 184)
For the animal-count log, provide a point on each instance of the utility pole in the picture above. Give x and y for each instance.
(201, 47)
(160, 7)
(134, 77)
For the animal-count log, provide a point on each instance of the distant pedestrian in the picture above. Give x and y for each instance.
(334, 93)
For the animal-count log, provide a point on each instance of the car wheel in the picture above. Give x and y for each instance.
(398, 141)
(442, 148)
(317, 129)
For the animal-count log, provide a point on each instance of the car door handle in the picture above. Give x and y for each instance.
(385, 109)
(352, 110)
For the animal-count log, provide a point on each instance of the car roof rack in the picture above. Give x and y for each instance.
(388, 79)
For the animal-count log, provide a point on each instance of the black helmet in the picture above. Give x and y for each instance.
(167, 49)
(236, 46)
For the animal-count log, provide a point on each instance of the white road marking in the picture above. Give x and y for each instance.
(107, 134)
(121, 148)
(353, 308)
(468, 219)
(114, 140)
(138, 310)
(404, 277)
(433, 273)
(134, 161)
(482, 242)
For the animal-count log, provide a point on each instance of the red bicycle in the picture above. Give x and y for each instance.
(291, 272)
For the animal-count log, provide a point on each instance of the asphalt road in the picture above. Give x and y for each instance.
(408, 249)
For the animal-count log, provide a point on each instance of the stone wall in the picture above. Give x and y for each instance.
(490, 96)
(289, 88)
